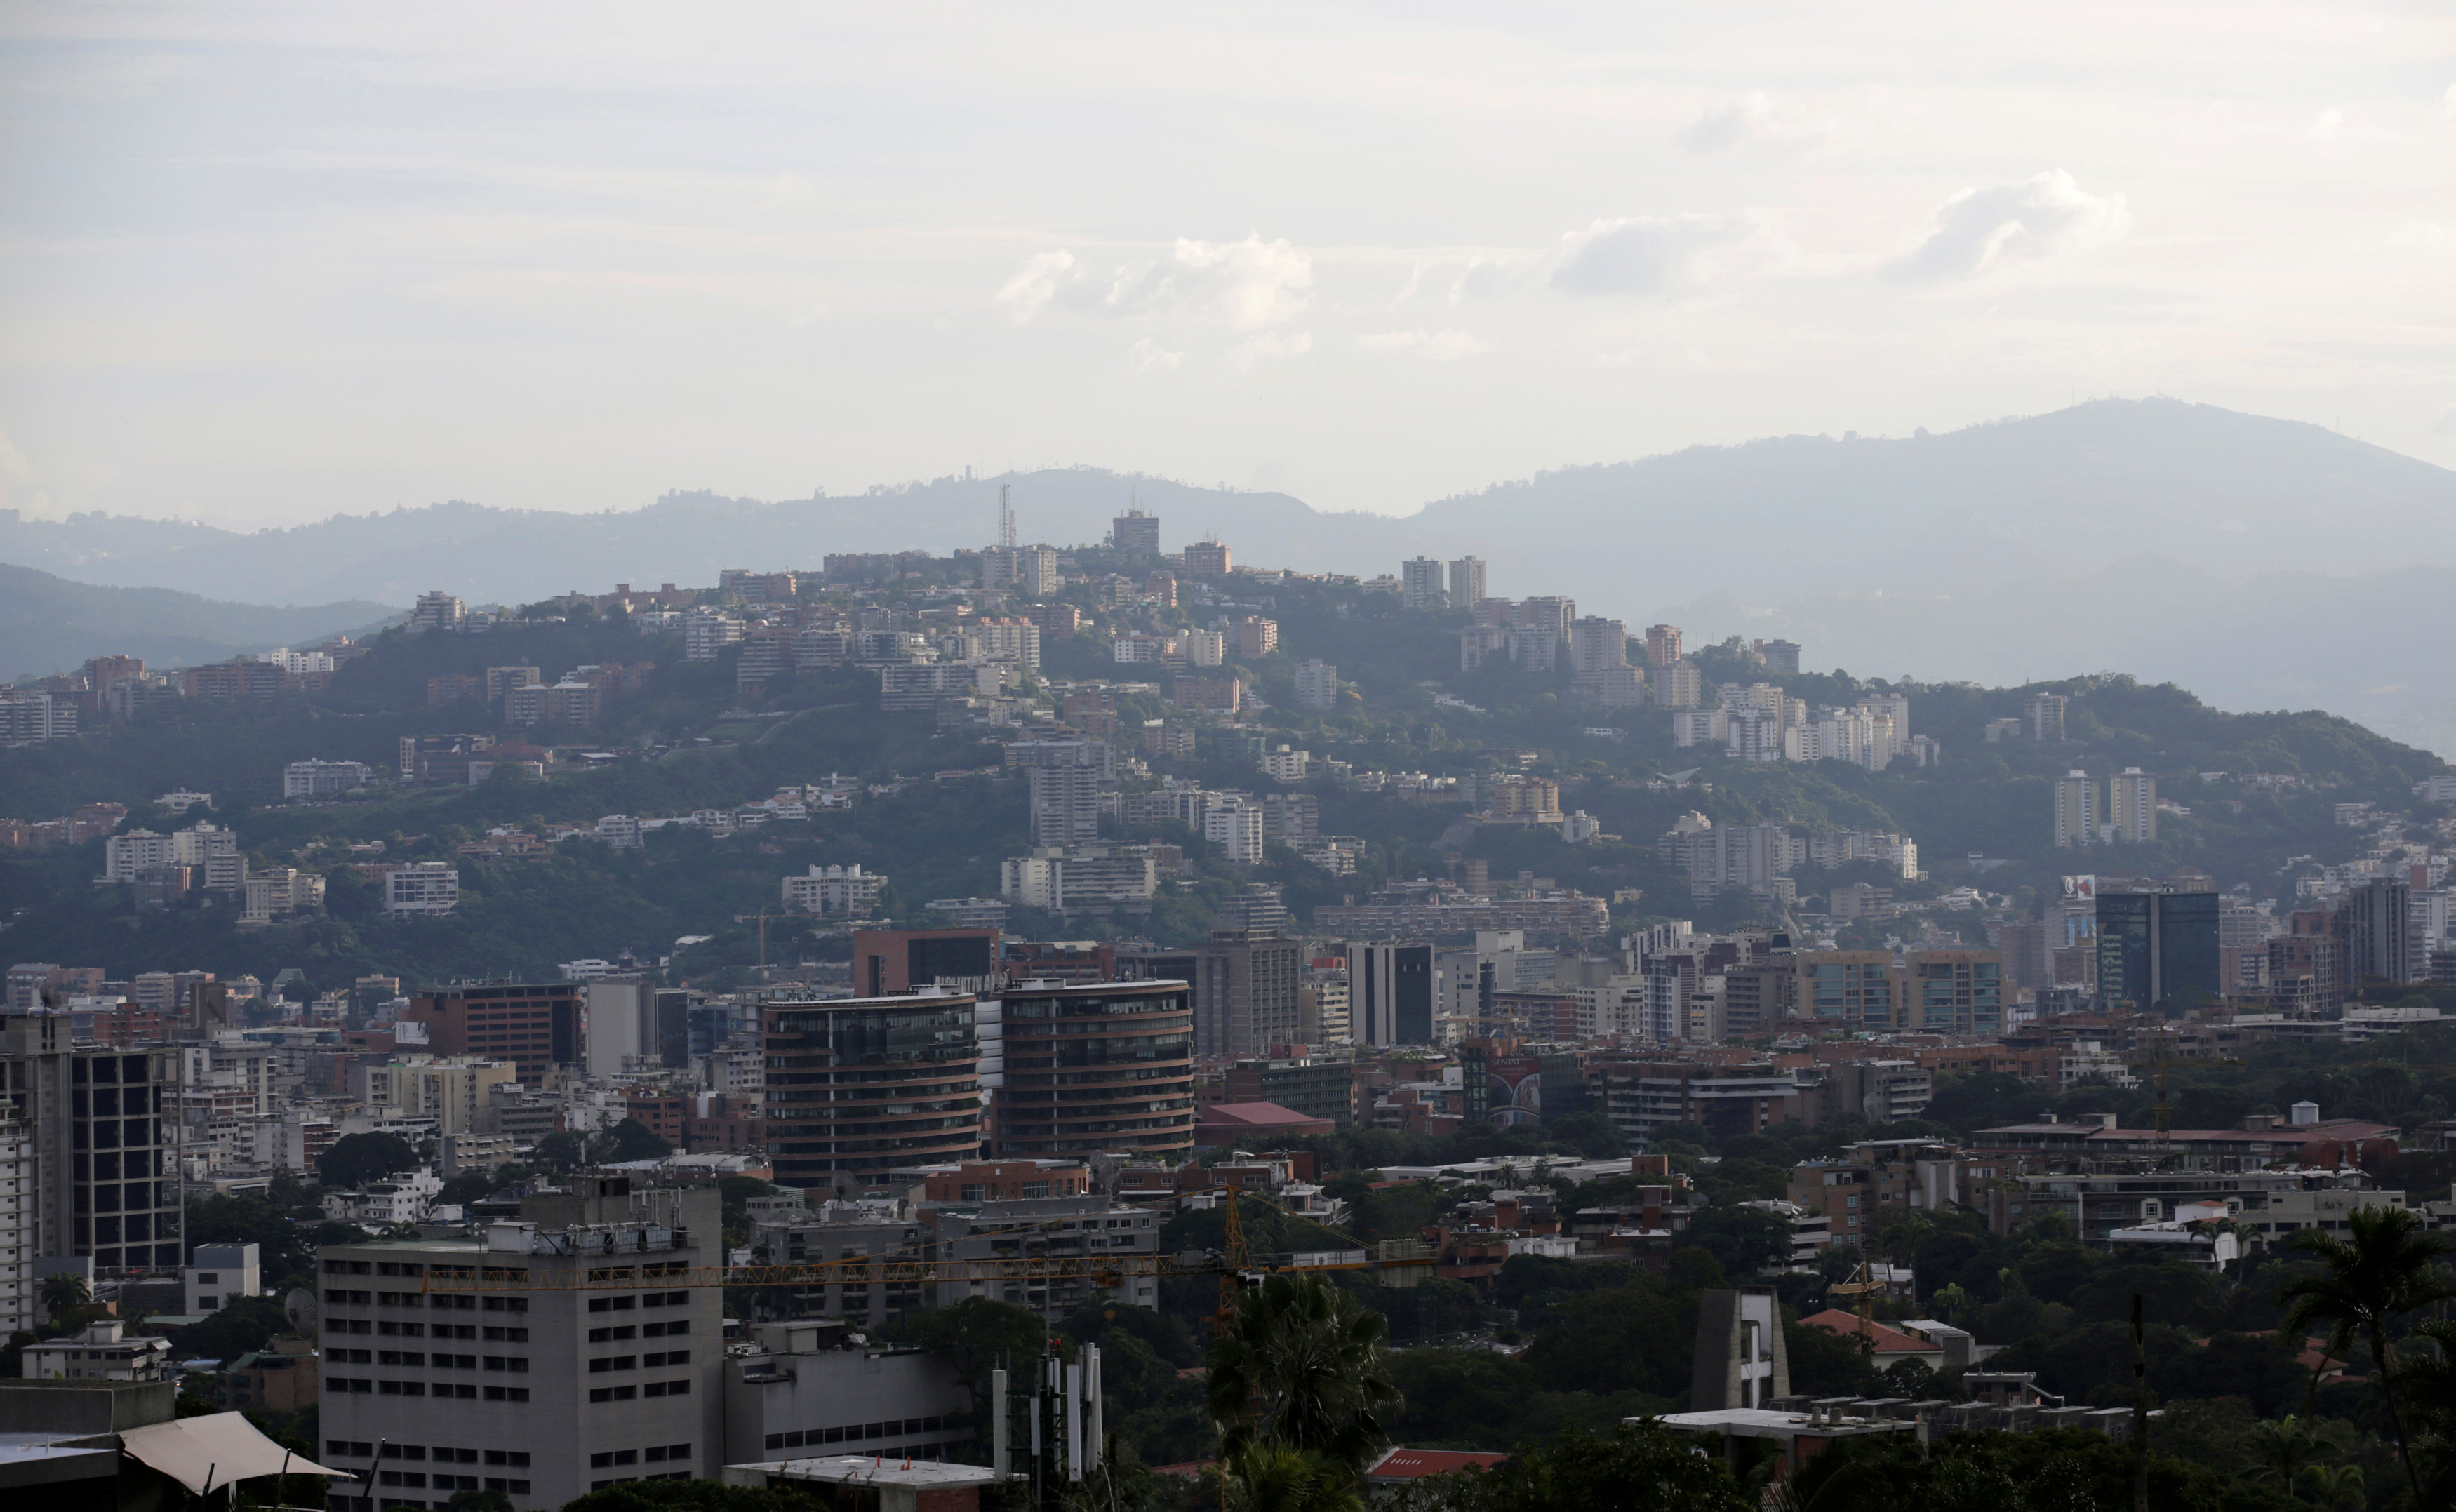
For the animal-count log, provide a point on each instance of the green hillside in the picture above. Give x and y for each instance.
(944, 836)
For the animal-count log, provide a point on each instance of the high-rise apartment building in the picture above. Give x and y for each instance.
(2156, 945)
(1957, 992)
(1317, 684)
(1420, 584)
(1467, 582)
(1679, 685)
(1597, 643)
(1075, 1069)
(2132, 806)
(1661, 645)
(1390, 993)
(104, 1133)
(2378, 920)
(1135, 533)
(544, 1359)
(1245, 989)
(857, 1086)
(536, 1026)
(2045, 713)
(20, 1228)
(1206, 561)
(2076, 810)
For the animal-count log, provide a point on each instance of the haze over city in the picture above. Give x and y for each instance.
(265, 262)
(1100, 758)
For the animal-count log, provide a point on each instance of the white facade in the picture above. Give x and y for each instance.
(621, 831)
(1420, 584)
(222, 1274)
(125, 855)
(1316, 684)
(318, 778)
(1204, 648)
(1699, 726)
(833, 890)
(20, 1239)
(1285, 766)
(708, 631)
(423, 888)
(2076, 810)
(1236, 830)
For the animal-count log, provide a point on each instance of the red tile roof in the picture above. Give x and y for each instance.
(1887, 1340)
(1409, 1464)
(1255, 1114)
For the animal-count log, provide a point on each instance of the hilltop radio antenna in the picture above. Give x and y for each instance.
(1006, 520)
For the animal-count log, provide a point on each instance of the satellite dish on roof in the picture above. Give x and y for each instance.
(299, 1308)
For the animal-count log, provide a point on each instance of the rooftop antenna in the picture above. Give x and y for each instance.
(1006, 519)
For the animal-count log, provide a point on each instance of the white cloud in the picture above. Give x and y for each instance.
(1150, 357)
(1979, 230)
(1034, 285)
(1656, 255)
(1246, 285)
(1754, 119)
(2326, 122)
(1295, 343)
(1433, 346)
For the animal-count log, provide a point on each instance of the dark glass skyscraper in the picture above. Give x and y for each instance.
(2153, 947)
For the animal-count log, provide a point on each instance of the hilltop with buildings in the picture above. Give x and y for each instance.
(969, 935)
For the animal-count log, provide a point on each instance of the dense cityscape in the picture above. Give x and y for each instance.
(1632, 1032)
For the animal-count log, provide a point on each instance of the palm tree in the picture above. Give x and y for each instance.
(64, 1292)
(2285, 1450)
(1268, 1477)
(2386, 1271)
(1300, 1364)
(2336, 1485)
(2430, 1384)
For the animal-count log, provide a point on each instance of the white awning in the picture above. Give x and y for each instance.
(218, 1448)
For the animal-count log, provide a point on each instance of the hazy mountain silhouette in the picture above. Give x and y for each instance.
(49, 625)
(2139, 534)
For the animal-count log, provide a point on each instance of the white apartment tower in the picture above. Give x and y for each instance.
(1420, 584)
(2076, 810)
(1317, 684)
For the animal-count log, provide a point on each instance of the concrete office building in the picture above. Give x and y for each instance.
(1135, 534)
(1245, 986)
(1420, 584)
(805, 1385)
(859, 1086)
(1086, 1067)
(104, 1138)
(536, 1026)
(890, 961)
(1390, 993)
(555, 1355)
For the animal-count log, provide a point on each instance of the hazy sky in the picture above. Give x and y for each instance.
(259, 263)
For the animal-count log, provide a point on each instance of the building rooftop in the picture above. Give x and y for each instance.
(1886, 1341)
(1409, 1464)
(864, 1469)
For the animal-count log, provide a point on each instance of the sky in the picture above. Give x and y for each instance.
(264, 263)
